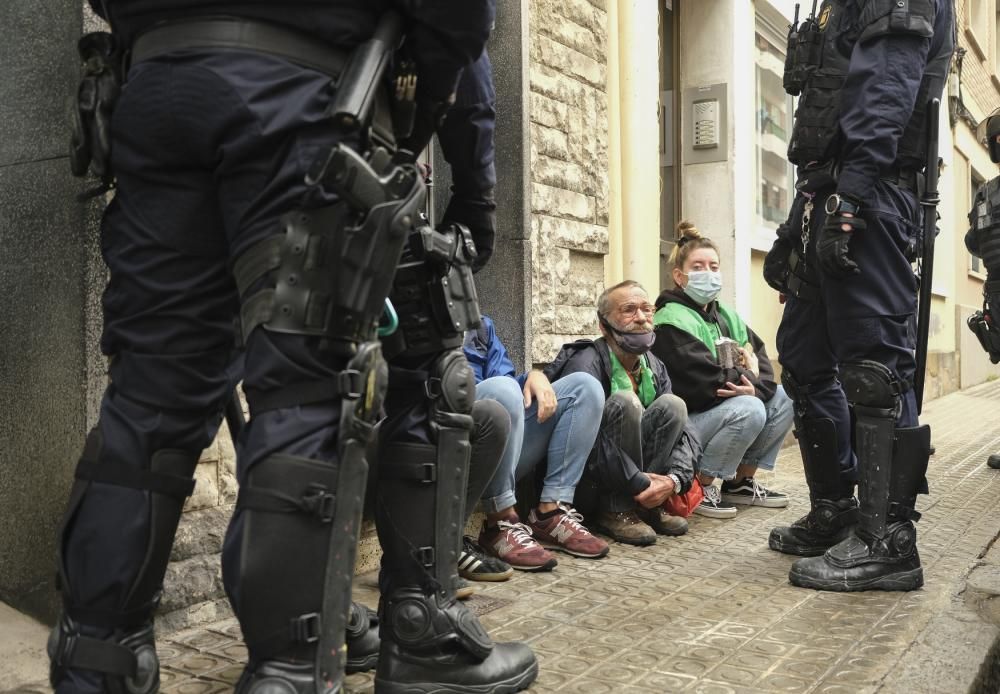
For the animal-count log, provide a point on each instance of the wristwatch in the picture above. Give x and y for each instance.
(677, 482)
(838, 203)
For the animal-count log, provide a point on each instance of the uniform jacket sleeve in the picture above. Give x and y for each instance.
(467, 142)
(878, 98)
(446, 36)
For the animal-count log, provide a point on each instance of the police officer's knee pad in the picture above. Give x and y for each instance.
(871, 385)
(451, 387)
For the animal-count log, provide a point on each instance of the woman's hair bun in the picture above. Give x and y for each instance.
(687, 231)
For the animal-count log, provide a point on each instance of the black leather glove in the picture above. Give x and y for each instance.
(776, 262)
(100, 86)
(834, 243)
(480, 218)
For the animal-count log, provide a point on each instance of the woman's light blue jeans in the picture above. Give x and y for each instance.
(742, 431)
(565, 438)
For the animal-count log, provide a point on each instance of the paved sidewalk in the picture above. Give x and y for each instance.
(712, 611)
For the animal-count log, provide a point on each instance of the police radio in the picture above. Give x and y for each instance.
(789, 79)
(804, 52)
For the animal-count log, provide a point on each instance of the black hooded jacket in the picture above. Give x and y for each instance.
(593, 357)
(697, 373)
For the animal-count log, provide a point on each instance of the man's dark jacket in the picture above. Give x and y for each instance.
(593, 357)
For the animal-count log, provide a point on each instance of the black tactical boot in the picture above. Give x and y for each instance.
(825, 525)
(890, 562)
(278, 677)
(433, 643)
(834, 509)
(881, 552)
(362, 639)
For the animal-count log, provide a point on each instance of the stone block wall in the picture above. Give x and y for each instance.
(569, 169)
(193, 591)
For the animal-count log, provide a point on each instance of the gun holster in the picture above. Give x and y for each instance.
(90, 112)
(983, 326)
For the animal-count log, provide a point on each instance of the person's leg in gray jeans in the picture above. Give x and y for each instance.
(490, 432)
(615, 469)
(662, 425)
(615, 463)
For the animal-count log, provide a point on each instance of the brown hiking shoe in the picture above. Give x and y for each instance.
(561, 529)
(513, 543)
(625, 526)
(662, 522)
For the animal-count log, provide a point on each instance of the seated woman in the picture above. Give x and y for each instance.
(740, 414)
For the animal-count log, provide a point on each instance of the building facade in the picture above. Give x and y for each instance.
(616, 119)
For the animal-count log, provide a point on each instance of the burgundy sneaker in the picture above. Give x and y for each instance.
(562, 529)
(512, 542)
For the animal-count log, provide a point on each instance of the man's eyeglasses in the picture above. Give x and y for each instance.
(629, 310)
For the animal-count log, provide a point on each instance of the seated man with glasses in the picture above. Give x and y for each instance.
(646, 451)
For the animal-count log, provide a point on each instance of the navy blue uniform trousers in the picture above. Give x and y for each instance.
(209, 150)
(870, 315)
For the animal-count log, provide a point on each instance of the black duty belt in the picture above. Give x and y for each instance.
(231, 33)
(904, 178)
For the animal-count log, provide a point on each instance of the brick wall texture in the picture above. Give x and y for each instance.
(569, 169)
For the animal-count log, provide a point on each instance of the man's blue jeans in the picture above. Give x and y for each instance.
(742, 430)
(565, 438)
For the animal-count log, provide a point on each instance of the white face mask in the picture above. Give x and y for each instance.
(703, 286)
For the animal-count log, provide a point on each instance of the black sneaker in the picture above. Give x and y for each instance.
(712, 506)
(750, 492)
(476, 565)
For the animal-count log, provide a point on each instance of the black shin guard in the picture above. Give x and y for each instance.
(881, 554)
(295, 597)
(125, 655)
(430, 641)
(420, 547)
(834, 510)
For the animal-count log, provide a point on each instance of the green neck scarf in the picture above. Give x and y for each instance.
(620, 379)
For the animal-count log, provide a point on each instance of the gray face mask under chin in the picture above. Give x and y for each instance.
(633, 343)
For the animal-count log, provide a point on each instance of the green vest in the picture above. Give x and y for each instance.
(693, 323)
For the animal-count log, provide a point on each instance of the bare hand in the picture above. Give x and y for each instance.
(749, 361)
(538, 388)
(732, 390)
(659, 489)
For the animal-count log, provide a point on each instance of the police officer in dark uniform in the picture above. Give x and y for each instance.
(983, 241)
(864, 73)
(263, 174)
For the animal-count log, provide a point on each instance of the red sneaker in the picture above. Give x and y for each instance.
(562, 529)
(512, 542)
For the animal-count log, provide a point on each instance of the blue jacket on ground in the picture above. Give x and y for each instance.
(486, 354)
